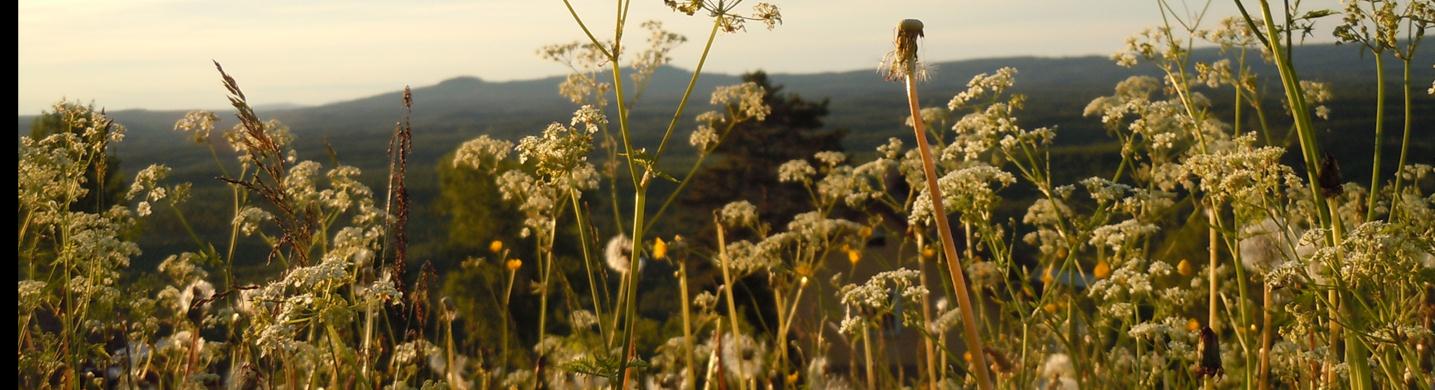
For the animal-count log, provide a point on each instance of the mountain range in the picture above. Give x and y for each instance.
(872, 109)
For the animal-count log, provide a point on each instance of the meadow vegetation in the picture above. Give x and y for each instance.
(1218, 246)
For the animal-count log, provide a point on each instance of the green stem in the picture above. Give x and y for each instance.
(692, 82)
(1310, 149)
(683, 184)
(591, 38)
(1404, 141)
(1379, 136)
(503, 344)
(547, 270)
(587, 261)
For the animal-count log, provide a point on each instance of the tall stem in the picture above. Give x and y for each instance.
(691, 381)
(587, 261)
(692, 82)
(1267, 319)
(949, 247)
(867, 356)
(1404, 141)
(728, 286)
(1212, 314)
(1379, 136)
(929, 349)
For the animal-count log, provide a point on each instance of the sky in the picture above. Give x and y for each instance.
(156, 54)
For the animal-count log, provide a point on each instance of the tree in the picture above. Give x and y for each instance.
(103, 185)
(746, 167)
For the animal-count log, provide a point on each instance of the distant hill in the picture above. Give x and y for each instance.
(462, 107)
(452, 111)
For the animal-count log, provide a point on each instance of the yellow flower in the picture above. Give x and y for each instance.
(1051, 308)
(865, 232)
(854, 256)
(929, 252)
(803, 270)
(495, 246)
(660, 248)
(514, 264)
(1193, 325)
(1046, 277)
(1185, 268)
(792, 378)
(1102, 270)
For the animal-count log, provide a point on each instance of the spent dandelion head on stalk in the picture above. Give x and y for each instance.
(902, 60)
(617, 253)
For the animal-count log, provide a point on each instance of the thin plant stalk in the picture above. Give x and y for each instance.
(1358, 362)
(587, 260)
(928, 348)
(1405, 140)
(727, 285)
(507, 294)
(1379, 136)
(906, 54)
(691, 381)
(1267, 321)
(546, 268)
(1212, 314)
(867, 356)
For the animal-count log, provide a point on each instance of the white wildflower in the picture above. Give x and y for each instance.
(746, 100)
(796, 171)
(705, 139)
(738, 214)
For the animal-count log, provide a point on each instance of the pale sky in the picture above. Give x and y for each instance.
(156, 54)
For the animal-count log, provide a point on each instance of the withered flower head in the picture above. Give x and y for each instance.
(902, 61)
(1329, 176)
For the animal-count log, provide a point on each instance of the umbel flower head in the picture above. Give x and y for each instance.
(902, 60)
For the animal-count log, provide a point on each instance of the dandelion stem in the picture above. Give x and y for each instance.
(969, 320)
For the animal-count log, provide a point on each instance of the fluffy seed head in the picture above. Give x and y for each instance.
(617, 253)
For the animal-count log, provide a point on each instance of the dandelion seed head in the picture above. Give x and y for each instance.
(618, 252)
(742, 356)
(1058, 365)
